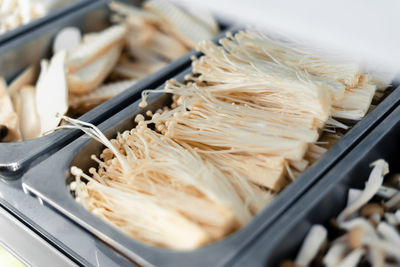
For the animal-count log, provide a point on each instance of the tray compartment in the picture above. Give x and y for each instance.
(51, 187)
(17, 157)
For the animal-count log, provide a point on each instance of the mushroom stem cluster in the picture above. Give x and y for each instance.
(253, 101)
(249, 117)
(145, 180)
(371, 229)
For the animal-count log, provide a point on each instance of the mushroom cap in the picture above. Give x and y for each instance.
(372, 208)
(355, 237)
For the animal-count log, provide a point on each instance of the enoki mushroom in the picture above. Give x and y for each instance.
(240, 128)
(159, 192)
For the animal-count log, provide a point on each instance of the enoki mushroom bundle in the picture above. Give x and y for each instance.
(241, 128)
(249, 104)
(159, 192)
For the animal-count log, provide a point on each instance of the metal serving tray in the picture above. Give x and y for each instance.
(17, 157)
(327, 198)
(60, 9)
(51, 187)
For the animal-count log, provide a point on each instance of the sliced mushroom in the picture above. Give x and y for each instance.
(52, 92)
(27, 114)
(90, 77)
(179, 23)
(87, 52)
(133, 12)
(27, 77)
(99, 95)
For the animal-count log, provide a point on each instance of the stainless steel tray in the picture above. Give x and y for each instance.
(51, 187)
(61, 8)
(17, 157)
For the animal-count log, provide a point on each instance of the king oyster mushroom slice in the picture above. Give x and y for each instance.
(89, 51)
(27, 77)
(52, 92)
(25, 106)
(8, 117)
(179, 23)
(90, 77)
(205, 17)
(100, 95)
(134, 12)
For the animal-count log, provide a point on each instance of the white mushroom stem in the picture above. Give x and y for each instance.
(96, 134)
(389, 233)
(377, 258)
(359, 222)
(373, 184)
(353, 195)
(393, 203)
(386, 192)
(387, 247)
(335, 254)
(316, 237)
(352, 259)
(52, 92)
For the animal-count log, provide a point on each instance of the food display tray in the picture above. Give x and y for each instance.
(48, 181)
(327, 198)
(17, 157)
(62, 8)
